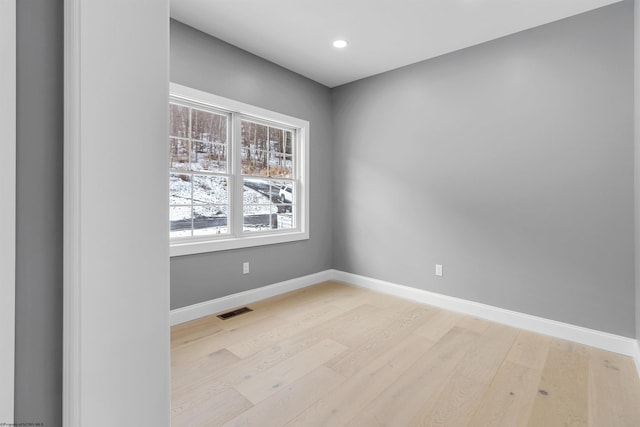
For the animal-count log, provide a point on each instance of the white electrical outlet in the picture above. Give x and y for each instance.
(245, 267)
(438, 269)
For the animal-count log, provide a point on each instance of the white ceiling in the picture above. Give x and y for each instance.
(382, 34)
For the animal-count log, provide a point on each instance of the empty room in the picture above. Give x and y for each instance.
(499, 174)
(321, 213)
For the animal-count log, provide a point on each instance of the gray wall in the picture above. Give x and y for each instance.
(510, 163)
(206, 63)
(38, 371)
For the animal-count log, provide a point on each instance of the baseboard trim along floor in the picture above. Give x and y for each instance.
(219, 305)
(578, 334)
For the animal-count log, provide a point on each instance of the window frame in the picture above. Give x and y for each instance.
(237, 238)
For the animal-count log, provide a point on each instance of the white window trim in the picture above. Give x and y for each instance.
(179, 248)
(8, 212)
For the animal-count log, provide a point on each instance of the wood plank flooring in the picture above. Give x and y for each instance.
(335, 355)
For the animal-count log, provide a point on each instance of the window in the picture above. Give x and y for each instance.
(237, 174)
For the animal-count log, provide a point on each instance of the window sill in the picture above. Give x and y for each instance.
(199, 247)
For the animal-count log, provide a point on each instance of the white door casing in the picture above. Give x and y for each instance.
(116, 246)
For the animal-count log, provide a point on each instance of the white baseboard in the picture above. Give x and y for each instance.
(590, 337)
(218, 305)
(566, 331)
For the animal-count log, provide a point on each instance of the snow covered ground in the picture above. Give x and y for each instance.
(211, 205)
(212, 190)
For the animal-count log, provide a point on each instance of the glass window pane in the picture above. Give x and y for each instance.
(254, 162)
(257, 205)
(208, 126)
(280, 166)
(178, 154)
(180, 221)
(210, 220)
(178, 120)
(254, 135)
(288, 165)
(284, 193)
(258, 217)
(208, 190)
(247, 133)
(288, 142)
(275, 139)
(206, 156)
(285, 218)
(256, 192)
(179, 189)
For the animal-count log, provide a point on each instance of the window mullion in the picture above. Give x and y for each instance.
(189, 163)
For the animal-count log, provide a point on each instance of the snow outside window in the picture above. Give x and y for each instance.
(237, 174)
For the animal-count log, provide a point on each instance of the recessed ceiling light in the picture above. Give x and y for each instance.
(340, 44)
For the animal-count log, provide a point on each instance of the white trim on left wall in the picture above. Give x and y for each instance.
(116, 369)
(71, 255)
(8, 211)
(637, 356)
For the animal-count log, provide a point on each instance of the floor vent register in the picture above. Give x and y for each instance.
(234, 313)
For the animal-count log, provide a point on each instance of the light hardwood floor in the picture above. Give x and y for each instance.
(334, 355)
